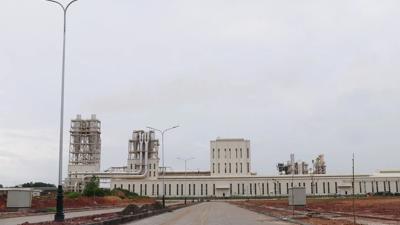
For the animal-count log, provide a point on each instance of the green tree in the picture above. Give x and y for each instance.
(37, 184)
(92, 187)
(1, 186)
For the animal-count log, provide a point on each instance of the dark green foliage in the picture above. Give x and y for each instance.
(92, 187)
(1, 186)
(73, 195)
(37, 184)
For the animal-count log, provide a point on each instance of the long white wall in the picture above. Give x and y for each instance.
(209, 186)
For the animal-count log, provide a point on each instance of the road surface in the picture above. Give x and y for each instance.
(49, 217)
(210, 213)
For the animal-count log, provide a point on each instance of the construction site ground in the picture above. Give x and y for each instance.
(332, 211)
(45, 205)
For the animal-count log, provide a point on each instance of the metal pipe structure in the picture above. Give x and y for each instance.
(59, 216)
(162, 149)
(187, 159)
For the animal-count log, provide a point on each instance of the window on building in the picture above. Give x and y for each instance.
(206, 189)
(312, 187)
(241, 168)
(214, 189)
(145, 189)
(140, 189)
(251, 189)
(316, 187)
(384, 186)
(236, 167)
(115, 186)
(236, 152)
(238, 189)
(201, 189)
(372, 186)
(397, 186)
(190, 190)
(158, 190)
(225, 168)
(213, 154)
(225, 153)
(122, 187)
(230, 154)
(287, 188)
(213, 168)
(230, 189)
(241, 153)
(336, 191)
(248, 153)
(194, 189)
(218, 154)
(230, 168)
(169, 189)
(149, 166)
(323, 187)
(219, 169)
(274, 188)
(152, 189)
(329, 188)
(377, 186)
(280, 188)
(262, 189)
(177, 189)
(242, 189)
(129, 187)
(181, 189)
(133, 188)
(248, 167)
(255, 189)
(390, 189)
(359, 183)
(268, 188)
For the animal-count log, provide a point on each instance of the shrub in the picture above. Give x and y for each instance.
(73, 195)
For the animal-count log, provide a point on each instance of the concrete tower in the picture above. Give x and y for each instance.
(84, 150)
(143, 154)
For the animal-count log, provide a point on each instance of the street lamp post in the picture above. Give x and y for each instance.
(186, 159)
(59, 216)
(162, 150)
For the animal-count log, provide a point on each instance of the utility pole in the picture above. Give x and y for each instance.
(292, 159)
(354, 211)
(162, 148)
(59, 216)
(187, 159)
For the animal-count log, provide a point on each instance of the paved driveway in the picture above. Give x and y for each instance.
(210, 213)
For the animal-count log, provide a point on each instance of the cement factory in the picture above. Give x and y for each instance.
(230, 173)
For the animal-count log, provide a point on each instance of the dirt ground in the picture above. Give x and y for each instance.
(45, 203)
(368, 207)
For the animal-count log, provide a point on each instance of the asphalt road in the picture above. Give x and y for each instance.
(210, 213)
(49, 217)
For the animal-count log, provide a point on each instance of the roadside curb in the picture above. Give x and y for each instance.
(284, 219)
(130, 218)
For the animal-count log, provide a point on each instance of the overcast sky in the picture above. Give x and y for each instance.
(307, 77)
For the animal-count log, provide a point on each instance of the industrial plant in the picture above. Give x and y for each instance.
(230, 172)
(301, 167)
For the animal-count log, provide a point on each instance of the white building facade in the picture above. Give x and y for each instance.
(230, 174)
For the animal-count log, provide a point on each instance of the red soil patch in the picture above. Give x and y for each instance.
(382, 207)
(43, 203)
